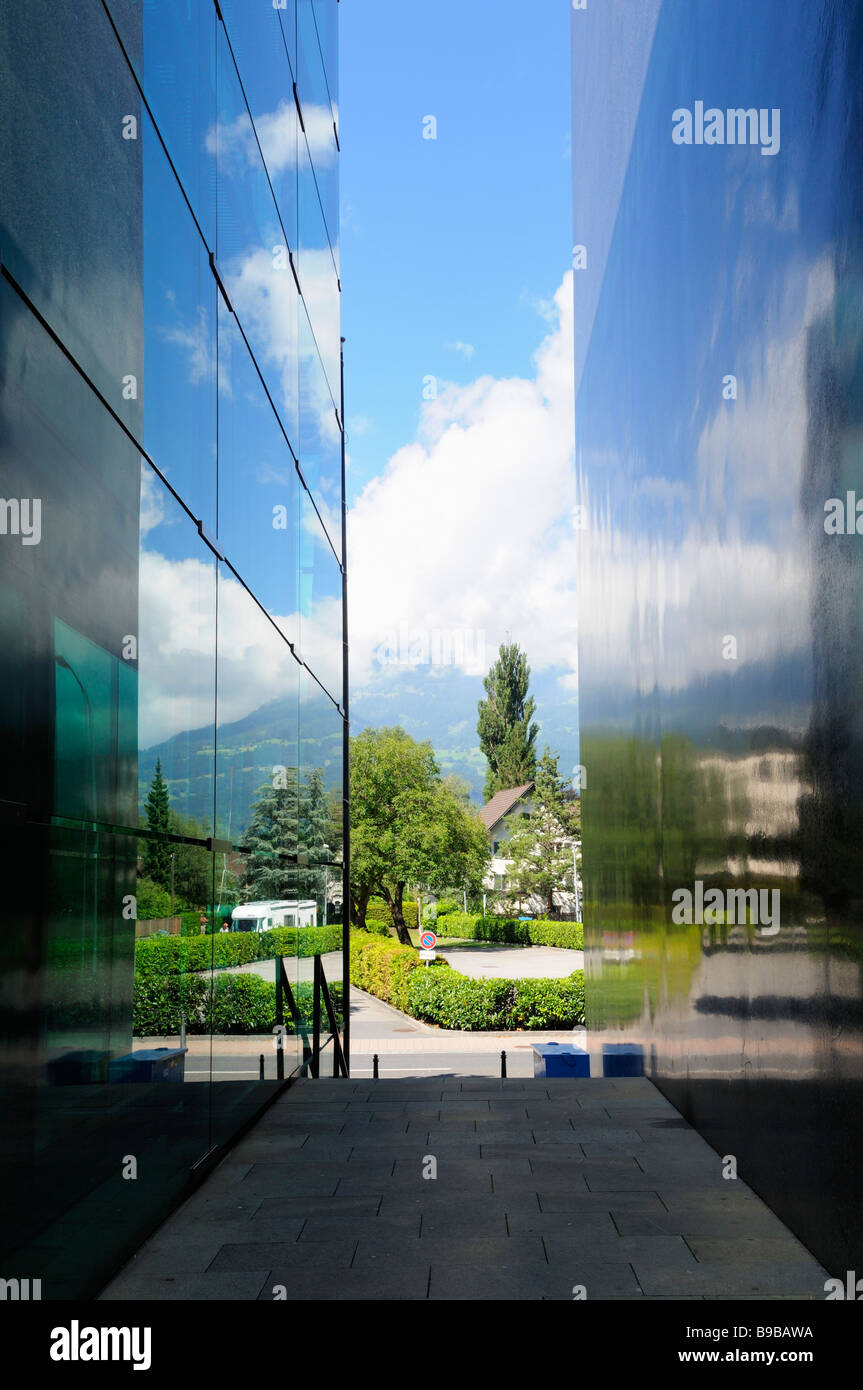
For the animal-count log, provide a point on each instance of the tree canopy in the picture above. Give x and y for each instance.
(507, 733)
(540, 845)
(408, 827)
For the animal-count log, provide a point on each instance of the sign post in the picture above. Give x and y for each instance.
(428, 941)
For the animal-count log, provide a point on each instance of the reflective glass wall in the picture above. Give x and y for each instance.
(171, 596)
(719, 359)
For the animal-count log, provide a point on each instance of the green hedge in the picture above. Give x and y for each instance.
(440, 995)
(378, 912)
(180, 954)
(510, 931)
(239, 1004)
(454, 1001)
(381, 967)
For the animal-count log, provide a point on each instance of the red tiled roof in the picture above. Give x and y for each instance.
(501, 803)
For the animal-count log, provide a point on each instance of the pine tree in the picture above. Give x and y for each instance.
(271, 842)
(157, 853)
(506, 730)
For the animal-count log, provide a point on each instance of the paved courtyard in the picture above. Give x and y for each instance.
(542, 1189)
(513, 962)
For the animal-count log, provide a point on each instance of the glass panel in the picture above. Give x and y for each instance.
(320, 602)
(318, 274)
(172, 49)
(179, 386)
(112, 652)
(321, 836)
(327, 23)
(256, 754)
(258, 42)
(254, 255)
(72, 235)
(320, 435)
(177, 658)
(258, 483)
(311, 78)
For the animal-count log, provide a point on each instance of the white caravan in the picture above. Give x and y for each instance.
(284, 913)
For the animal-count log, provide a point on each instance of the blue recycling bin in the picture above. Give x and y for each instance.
(622, 1059)
(560, 1059)
(149, 1064)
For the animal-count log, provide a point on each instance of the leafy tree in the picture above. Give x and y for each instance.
(193, 865)
(506, 729)
(407, 826)
(153, 901)
(540, 843)
(157, 853)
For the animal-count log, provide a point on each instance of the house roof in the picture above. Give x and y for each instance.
(501, 803)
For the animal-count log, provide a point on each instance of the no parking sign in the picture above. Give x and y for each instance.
(428, 941)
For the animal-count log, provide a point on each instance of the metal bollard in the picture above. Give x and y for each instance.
(503, 1063)
(261, 1067)
(375, 1067)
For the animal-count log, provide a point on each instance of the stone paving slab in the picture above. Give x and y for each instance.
(541, 1186)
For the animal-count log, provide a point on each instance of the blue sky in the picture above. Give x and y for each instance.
(452, 240)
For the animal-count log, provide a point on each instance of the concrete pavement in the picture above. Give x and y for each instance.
(471, 1189)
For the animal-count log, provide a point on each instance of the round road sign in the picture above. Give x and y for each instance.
(428, 940)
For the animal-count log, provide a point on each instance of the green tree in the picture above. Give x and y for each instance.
(193, 865)
(507, 733)
(157, 853)
(270, 841)
(288, 838)
(407, 826)
(540, 845)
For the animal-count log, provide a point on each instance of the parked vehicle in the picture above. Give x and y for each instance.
(284, 913)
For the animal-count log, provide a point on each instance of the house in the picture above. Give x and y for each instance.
(494, 817)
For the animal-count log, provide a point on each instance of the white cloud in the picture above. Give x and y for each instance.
(467, 529)
(466, 350)
(277, 132)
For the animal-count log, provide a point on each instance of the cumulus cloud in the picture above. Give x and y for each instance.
(466, 536)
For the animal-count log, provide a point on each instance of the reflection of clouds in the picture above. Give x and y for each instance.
(265, 298)
(277, 133)
(198, 341)
(177, 627)
(467, 529)
(651, 610)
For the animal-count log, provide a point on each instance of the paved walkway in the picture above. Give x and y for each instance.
(513, 962)
(543, 1188)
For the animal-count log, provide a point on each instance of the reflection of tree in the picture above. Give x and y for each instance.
(287, 840)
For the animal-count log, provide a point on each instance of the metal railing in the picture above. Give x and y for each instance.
(312, 1048)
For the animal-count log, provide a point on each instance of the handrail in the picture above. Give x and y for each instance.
(311, 1052)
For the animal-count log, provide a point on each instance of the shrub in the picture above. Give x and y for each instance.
(446, 906)
(188, 954)
(382, 967)
(395, 973)
(152, 900)
(377, 911)
(454, 1001)
(238, 1004)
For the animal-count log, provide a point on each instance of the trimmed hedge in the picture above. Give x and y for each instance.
(381, 966)
(510, 931)
(378, 912)
(240, 1004)
(437, 994)
(182, 954)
